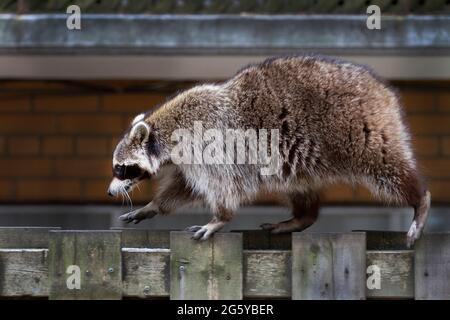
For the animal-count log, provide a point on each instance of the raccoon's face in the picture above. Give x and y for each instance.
(134, 159)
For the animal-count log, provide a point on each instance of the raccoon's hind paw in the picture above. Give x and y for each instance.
(268, 226)
(276, 228)
(413, 234)
(292, 225)
(201, 232)
(137, 216)
(205, 232)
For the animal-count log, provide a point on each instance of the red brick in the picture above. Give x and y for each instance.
(87, 168)
(27, 124)
(2, 145)
(131, 103)
(440, 190)
(436, 168)
(446, 146)
(23, 85)
(96, 190)
(128, 119)
(444, 101)
(57, 146)
(25, 167)
(83, 124)
(113, 144)
(418, 101)
(6, 190)
(104, 117)
(429, 124)
(338, 193)
(362, 194)
(424, 146)
(48, 190)
(92, 146)
(14, 103)
(66, 103)
(23, 146)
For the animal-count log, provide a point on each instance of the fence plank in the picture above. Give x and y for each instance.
(98, 256)
(206, 269)
(23, 273)
(396, 270)
(328, 266)
(214, 269)
(146, 272)
(190, 263)
(432, 267)
(24, 237)
(227, 266)
(267, 274)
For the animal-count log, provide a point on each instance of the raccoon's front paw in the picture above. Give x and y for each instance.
(137, 216)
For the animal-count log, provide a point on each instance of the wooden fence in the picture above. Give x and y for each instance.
(133, 263)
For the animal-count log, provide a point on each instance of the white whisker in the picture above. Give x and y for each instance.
(122, 192)
(123, 199)
(128, 197)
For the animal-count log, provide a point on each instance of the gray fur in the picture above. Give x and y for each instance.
(337, 122)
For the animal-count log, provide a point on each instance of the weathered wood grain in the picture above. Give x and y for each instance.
(267, 274)
(325, 264)
(141, 238)
(396, 274)
(328, 266)
(209, 269)
(227, 268)
(24, 237)
(385, 240)
(96, 253)
(432, 267)
(23, 273)
(146, 272)
(190, 264)
(264, 240)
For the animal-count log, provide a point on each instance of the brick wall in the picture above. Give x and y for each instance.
(56, 139)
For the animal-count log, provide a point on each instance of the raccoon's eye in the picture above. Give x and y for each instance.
(132, 172)
(123, 172)
(119, 171)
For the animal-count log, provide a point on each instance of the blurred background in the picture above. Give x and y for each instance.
(66, 95)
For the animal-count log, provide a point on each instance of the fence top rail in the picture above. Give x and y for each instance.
(37, 237)
(337, 262)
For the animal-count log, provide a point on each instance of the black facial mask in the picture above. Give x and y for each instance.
(123, 172)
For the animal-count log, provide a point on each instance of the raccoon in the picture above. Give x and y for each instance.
(336, 122)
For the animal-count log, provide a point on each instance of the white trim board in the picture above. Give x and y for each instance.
(194, 67)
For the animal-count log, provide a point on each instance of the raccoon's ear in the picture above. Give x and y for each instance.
(140, 132)
(138, 118)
